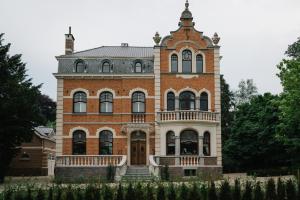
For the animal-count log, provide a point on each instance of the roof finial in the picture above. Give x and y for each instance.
(187, 4)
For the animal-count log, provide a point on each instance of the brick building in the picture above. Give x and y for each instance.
(147, 106)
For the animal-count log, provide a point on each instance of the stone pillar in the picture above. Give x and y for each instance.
(59, 117)
(200, 143)
(157, 98)
(177, 149)
(176, 103)
(197, 103)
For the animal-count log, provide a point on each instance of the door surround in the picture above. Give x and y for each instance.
(138, 148)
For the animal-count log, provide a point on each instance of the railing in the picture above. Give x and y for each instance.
(188, 115)
(89, 160)
(121, 169)
(138, 118)
(153, 167)
(187, 160)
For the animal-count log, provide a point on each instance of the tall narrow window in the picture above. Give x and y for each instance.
(138, 67)
(186, 61)
(199, 63)
(79, 102)
(189, 142)
(170, 101)
(174, 63)
(80, 67)
(106, 143)
(187, 101)
(106, 67)
(138, 102)
(79, 143)
(170, 140)
(106, 102)
(204, 101)
(206, 144)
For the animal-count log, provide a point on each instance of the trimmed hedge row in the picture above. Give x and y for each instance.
(288, 190)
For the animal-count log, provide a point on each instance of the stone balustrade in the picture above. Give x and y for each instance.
(138, 118)
(188, 115)
(185, 160)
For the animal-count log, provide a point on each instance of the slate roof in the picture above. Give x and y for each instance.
(116, 52)
(45, 132)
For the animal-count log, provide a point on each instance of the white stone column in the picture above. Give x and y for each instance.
(59, 117)
(157, 97)
(177, 149)
(200, 143)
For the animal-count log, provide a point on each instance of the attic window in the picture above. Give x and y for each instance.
(80, 67)
(138, 67)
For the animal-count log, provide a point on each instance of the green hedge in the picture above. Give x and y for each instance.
(281, 190)
(274, 172)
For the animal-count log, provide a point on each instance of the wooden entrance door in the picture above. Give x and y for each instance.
(138, 148)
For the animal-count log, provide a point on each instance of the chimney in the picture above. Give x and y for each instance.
(69, 45)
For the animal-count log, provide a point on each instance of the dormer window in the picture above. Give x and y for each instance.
(199, 63)
(106, 67)
(80, 67)
(174, 63)
(138, 67)
(187, 61)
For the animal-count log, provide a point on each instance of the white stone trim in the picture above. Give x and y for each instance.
(204, 60)
(59, 117)
(190, 90)
(180, 59)
(72, 130)
(105, 129)
(165, 96)
(138, 90)
(106, 90)
(78, 90)
(209, 97)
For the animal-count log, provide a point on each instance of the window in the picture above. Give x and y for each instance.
(80, 67)
(187, 101)
(138, 67)
(206, 144)
(174, 63)
(190, 172)
(199, 63)
(79, 102)
(79, 143)
(189, 142)
(106, 143)
(186, 61)
(170, 140)
(106, 102)
(204, 101)
(170, 101)
(106, 67)
(138, 102)
(25, 156)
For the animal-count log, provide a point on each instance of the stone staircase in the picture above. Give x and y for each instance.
(137, 173)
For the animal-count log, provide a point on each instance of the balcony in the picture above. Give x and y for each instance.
(138, 118)
(185, 160)
(188, 115)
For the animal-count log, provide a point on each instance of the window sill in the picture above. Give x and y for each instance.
(106, 114)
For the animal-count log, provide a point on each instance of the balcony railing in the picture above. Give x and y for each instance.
(89, 160)
(185, 160)
(138, 118)
(188, 115)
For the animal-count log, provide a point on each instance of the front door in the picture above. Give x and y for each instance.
(138, 148)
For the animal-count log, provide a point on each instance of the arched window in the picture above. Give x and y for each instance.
(174, 63)
(206, 144)
(79, 143)
(80, 67)
(199, 63)
(106, 67)
(106, 143)
(187, 101)
(186, 61)
(189, 142)
(138, 67)
(138, 102)
(170, 143)
(79, 102)
(170, 101)
(106, 102)
(204, 101)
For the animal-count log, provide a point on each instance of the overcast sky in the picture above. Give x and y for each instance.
(254, 33)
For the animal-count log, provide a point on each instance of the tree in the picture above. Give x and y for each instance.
(270, 190)
(246, 90)
(289, 74)
(47, 109)
(258, 193)
(252, 143)
(18, 104)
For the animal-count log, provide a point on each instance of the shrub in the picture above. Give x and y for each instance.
(225, 191)
(165, 173)
(139, 193)
(18, 195)
(130, 195)
(290, 190)
(183, 192)
(7, 195)
(236, 194)
(50, 194)
(120, 193)
(40, 195)
(79, 194)
(203, 192)
(247, 195)
(149, 192)
(280, 189)
(28, 195)
(107, 193)
(298, 194)
(171, 192)
(270, 190)
(160, 192)
(212, 194)
(194, 193)
(258, 193)
(110, 173)
(58, 193)
(69, 193)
